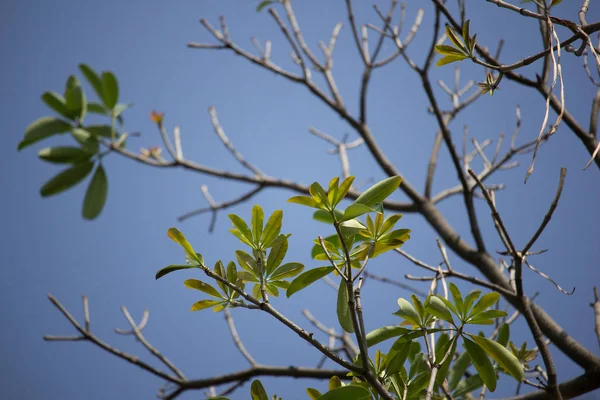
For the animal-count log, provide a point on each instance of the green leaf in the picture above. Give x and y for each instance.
(390, 223)
(219, 269)
(97, 108)
(457, 298)
(440, 352)
(180, 239)
(446, 50)
(203, 287)
(314, 394)
(64, 155)
(344, 189)
(56, 102)
(332, 191)
(247, 262)
(334, 383)
(110, 89)
(43, 128)
(458, 370)
(257, 391)
(241, 237)
(384, 333)
(259, 8)
(318, 193)
(379, 191)
(287, 271)
(489, 314)
(486, 301)
(418, 383)
(555, 3)
(470, 298)
(449, 59)
(455, 39)
(504, 334)
(100, 130)
(242, 227)
(272, 228)
(502, 356)
(343, 310)
(349, 392)
(95, 196)
(305, 201)
(257, 222)
(407, 312)
(276, 255)
(418, 306)
(93, 79)
(66, 179)
(167, 270)
(86, 139)
(395, 359)
(306, 278)
(467, 385)
(356, 210)
(75, 98)
(482, 363)
(325, 216)
(203, 304)
(438, 308)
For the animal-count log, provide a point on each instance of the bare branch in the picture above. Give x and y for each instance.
(236, 338)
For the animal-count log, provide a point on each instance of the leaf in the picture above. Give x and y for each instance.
(356, 210)
(502, 356)
(220, 270)
(97, 108)
(167, 270)
(457, 298)
(449, 59)
(308, 278)
(272, 228)
(43, 128)
(56, 102)
(180, 239)
(66, 179)
(343, 309)
(446, 50)
(504, 334)
(259, 8)
(384, 333)
(110, 89)
(407, 312)
(482, 363)
(100, 130)
(333, 190)
(203, 287)
(486, 301)
(93, 79)
(489, 314)
(440, 353)
(64, 155)
(86, 139)
(379, 191)
(349, 392)
(287, 271)
(455, 39)
(305, 201)
(418, 383)
(203, 304)
(75, 98)
(257, 391)
(395, 359)
(247, 262)
(241, 226)
(335, 383)
(390, 223)
(467, 385)
(436, 307)
(318, 193)
(458, 370)
(257, 222)
(465, 34)
(314, 394)
(555, 3)
(276, 255)
(344, 189)
(95, 196)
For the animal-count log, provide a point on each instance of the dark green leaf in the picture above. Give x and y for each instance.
(504, 334)
(350, 392)
(66, 179)
(384, 333)
(482, 363)
(418, 383)
(75, 97)
(64, 155)
(97, 108)
(167, 270)
(110, 89)
(56, 102)
(93, 78)
(95, 196)
(502, 356)
(307, 278)
(395, 359)
(489, 314)
(356, 210)
(86, 139)
(43, 128)
(343, 310)
(458, 370)
(262, 5)
(440, 352)
(467, 385)
(100, 130)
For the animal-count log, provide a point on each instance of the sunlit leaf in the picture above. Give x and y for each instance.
(203, 304)
(180, 239)
(344, 189)
(287, 270)
(486, 301)
(257, 222)
(272, 228)
(305, 201)
(307, 278)
(438, 308)
(502, 356)
(276, 255)
(203, 287)
(482, 363)
(384, 333)
(349, 392)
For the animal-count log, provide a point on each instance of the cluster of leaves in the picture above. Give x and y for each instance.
(257, 392)
(72, 108)
(256, 268)
(463, 46)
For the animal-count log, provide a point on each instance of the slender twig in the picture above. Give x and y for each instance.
(596, 306)
(236, 338)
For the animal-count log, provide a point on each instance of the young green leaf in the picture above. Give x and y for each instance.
(203, 304)
(344, 189)
(306, 278)
(259, 8)
(241, 226)
(379, 192)
(257, 391)
(457, 298)
(167, 270)
(203, 287)
(305, 201)
(504, 334)
(470, 298)
(247, 262)
(438, 308)
(272, 229)
(276, 255)
(450, 59)
(287, 271)
(454, 38)
(349, 392)
(407, 312)
(66, 179)
(384, 333)
(318, 193)
(314, 394)
(395, 359)
(56, 102)
(110, 89)
(486, 301)
(180, 239)
(43, 128)
(356, 210)
(343, 309)
(502, 356)
(257, 222)
(332, 191)
(482, 363)
(95, 196)
(64, 155)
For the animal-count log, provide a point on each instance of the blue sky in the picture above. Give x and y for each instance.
(49, 248)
